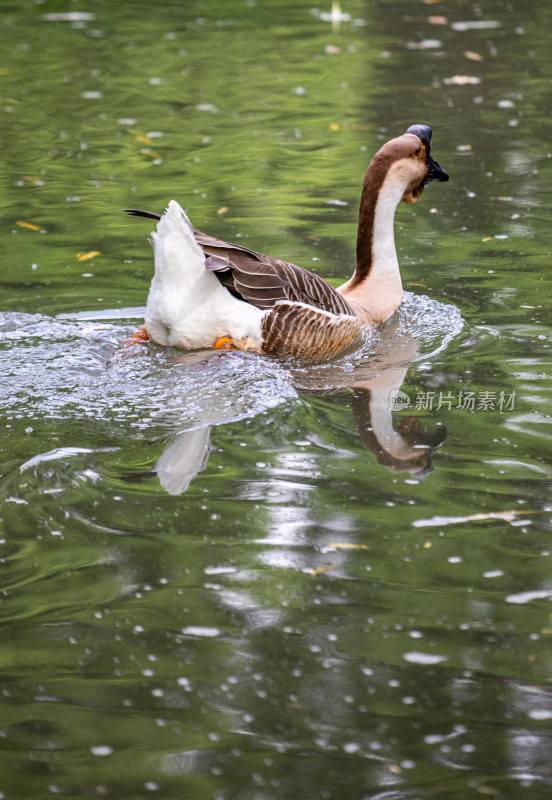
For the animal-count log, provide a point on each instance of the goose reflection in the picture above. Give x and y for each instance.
(397, 440)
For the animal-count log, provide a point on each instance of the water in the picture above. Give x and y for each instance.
(230, 577)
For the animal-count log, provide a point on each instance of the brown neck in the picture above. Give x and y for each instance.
(373, 181)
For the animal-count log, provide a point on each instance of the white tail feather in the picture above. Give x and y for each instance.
(187, 305)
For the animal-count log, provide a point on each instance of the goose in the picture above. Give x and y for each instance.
(207, 293)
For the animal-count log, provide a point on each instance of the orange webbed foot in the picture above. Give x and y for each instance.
(138, 337)
(224, 343)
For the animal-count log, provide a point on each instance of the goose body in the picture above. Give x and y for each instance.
(204, 288)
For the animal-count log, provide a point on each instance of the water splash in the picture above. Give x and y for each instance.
(79, 366)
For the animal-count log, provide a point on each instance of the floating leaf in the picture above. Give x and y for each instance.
(487, 239)
(435, 20)
(345, 546)
(320, 570)
(473, 56)
(222, 210)
(427, 545)
(334, 126)
(150, 153)
(144, 139)
(28, 225)
(87, 256)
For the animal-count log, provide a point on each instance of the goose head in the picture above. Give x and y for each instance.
(407, 162)
(399, 171)
(422, 153)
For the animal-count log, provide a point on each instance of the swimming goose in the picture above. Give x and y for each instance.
(207, 292)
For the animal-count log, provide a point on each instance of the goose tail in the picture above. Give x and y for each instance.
(136, 212)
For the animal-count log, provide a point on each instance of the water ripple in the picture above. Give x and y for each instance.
(80, 366)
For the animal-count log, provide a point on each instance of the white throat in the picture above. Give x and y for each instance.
(380, 293)
(384, 255)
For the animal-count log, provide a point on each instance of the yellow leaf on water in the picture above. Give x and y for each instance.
(395, 769)
(346, 546)
(472, 56)
(427, 545)
(487, 239)
(27, 225)
(144, 139)
(417, 284)
(222, 210)
(334, 126)
(86, 256)
(320, 570)
(150, 153)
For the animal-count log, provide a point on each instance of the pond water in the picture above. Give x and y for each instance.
(229, 577)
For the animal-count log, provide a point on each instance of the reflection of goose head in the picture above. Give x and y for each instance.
(403, 448)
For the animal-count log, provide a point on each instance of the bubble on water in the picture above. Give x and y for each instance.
(426, 659)
(198, 630)
(540, 713)
(101, 750)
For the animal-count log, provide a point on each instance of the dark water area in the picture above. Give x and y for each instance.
(225, 576)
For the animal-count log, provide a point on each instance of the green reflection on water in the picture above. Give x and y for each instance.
(302, 620)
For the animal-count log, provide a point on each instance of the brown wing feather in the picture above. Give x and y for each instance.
(304, 332)
(306, 317)
(263, 281)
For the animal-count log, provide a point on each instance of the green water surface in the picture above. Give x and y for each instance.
(227, 578)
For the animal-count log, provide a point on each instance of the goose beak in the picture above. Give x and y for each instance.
(434, 172)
